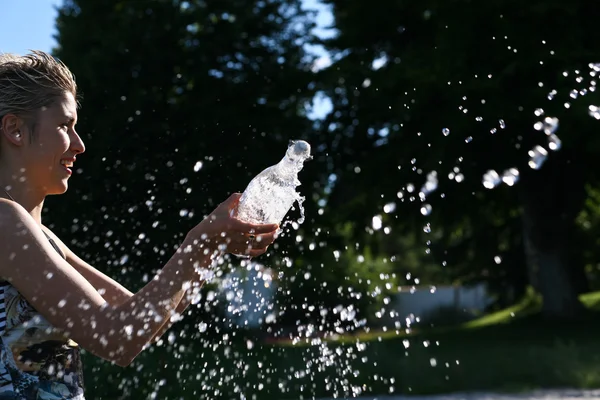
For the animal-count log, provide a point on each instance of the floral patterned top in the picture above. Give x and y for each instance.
(36, 361)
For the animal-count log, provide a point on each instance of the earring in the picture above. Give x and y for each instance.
(18, 135)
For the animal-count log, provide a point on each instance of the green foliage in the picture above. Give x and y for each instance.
(588, 222)
(480, 70)
(183, 102)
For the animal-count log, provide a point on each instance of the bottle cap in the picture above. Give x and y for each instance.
(300, 148)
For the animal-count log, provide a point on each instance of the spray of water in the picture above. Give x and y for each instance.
(232, 361)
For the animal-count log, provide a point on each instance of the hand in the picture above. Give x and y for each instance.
(221, 232)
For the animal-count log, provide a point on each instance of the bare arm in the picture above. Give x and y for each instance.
(181, 307)
(72, 304)
(112, 291)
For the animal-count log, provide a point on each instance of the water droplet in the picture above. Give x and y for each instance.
(377, 222)
(171, 338)
(389, 208)
(445, 131)
(198, 166)
(549, 125)
(594, 112)
(426, 209)
(491, 179)
(497, 259)
(431, 183)
(537, 156)
(554, 142)
(510, 176)
(502, 124)
(427, 228)
(538, 112)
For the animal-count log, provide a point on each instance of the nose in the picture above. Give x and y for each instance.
(77, 145)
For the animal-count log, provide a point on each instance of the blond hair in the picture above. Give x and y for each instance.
(33, 81)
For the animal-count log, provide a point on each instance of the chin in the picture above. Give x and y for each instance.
(60, 189)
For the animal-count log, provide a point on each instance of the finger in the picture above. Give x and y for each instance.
(255, 229)
(256, 252)
(265, 228)
(253, 241)
(264, 240)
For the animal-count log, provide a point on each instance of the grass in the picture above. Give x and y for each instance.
(510, 350)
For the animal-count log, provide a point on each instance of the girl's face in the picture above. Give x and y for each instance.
(48, 158)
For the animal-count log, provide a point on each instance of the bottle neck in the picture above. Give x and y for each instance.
(289, 165)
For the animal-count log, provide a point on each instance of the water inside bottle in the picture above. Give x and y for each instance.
(272, 193)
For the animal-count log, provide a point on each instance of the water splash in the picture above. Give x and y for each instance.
(226, 362)
(272, 193)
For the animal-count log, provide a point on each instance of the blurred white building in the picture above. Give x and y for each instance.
(250, 294)
(425, 303)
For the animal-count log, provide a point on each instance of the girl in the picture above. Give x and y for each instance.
(51, 301)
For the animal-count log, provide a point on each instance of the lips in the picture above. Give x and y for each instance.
(67, 164)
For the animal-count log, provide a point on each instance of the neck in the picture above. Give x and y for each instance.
(26, 198)
(17, 185)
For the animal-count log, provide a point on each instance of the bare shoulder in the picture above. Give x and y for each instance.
(13, 219)
(22, 241)
(10, 209)
(27, 259)
(30, 263)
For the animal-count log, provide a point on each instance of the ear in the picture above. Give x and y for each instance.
(11, 128)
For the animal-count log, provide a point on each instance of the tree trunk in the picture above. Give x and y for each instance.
(552, 197)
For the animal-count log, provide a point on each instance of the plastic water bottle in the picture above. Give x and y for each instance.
(271, 194)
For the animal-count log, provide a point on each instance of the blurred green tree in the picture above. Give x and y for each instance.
(183, 103)
(456, 87)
